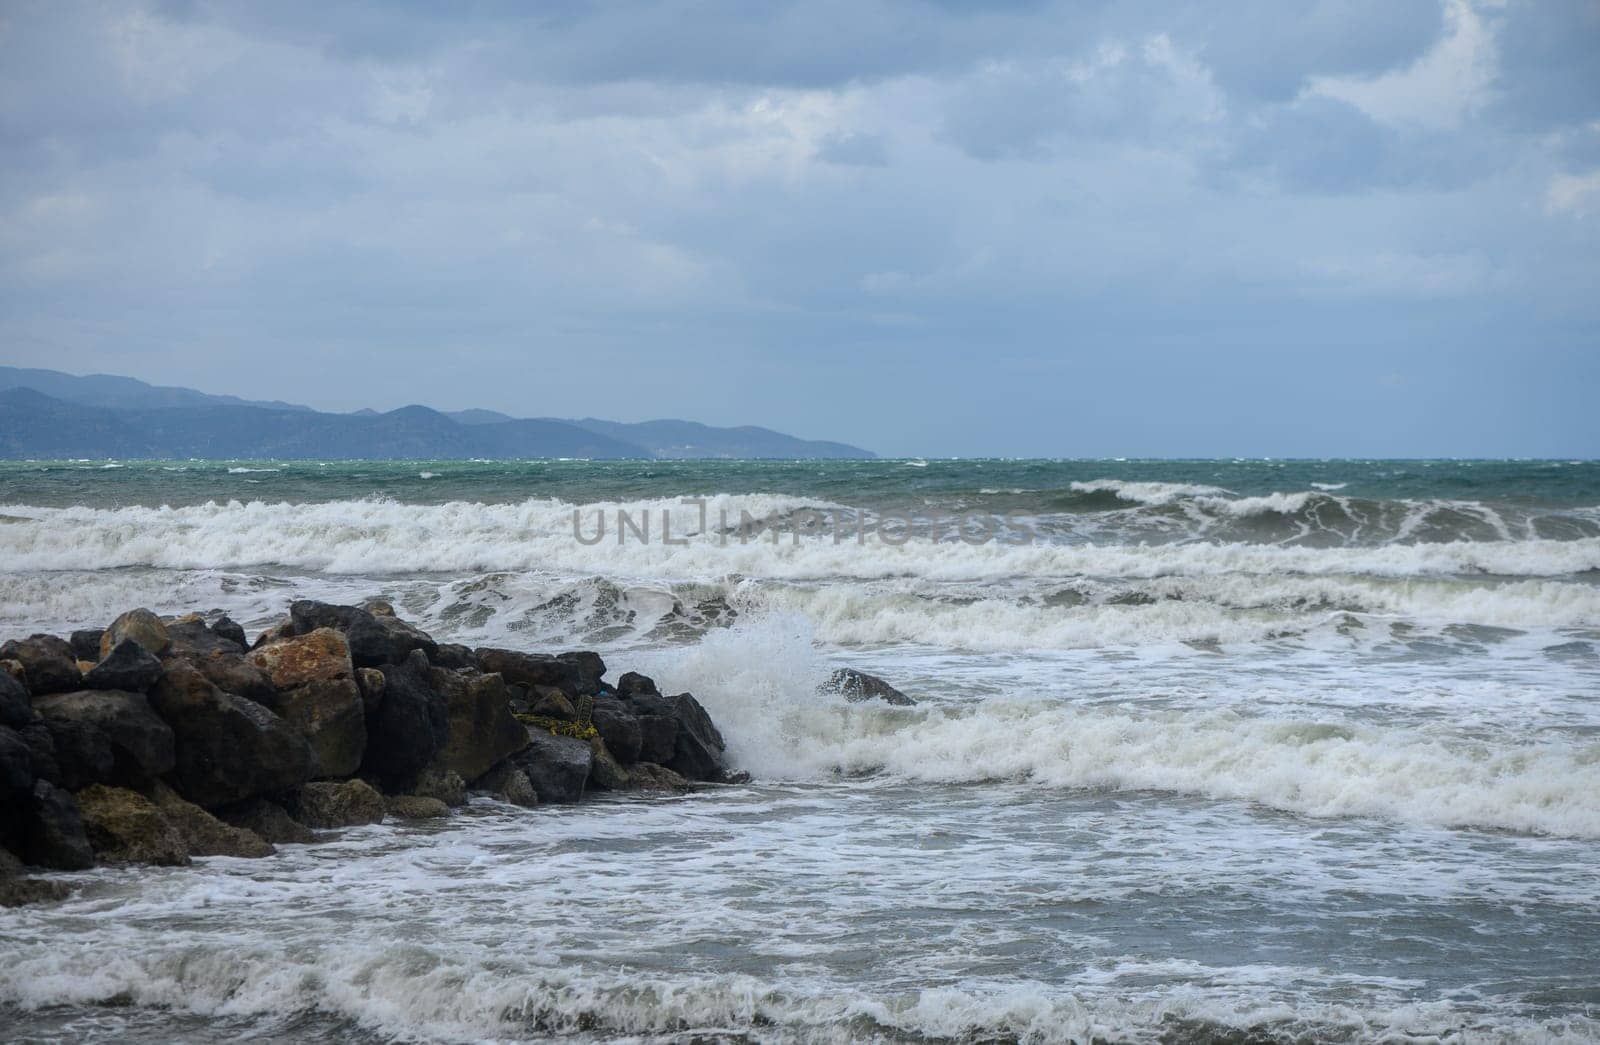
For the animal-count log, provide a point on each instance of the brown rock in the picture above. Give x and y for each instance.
(344, 803)
(142, 627)
(124, 827)
(416, 807)
(321, 656)
(330, 714)
(482, 729)
(203, 833)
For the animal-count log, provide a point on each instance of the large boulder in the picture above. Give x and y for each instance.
(307, 615)
(87, 724)
(619, 728)
(415, 807)
(76, 753)
(605, 772)
(322, 655)
(230, 630)
(129, 666)
(267, 820)
(343, 803)
(15, 709)
(228, 748)
(189, 637)
(575, 674)
(141, 626)
(556, 766)
(648, 776)
(454, 655)
(482, 730)
(697, 745)
(220, 659)
(205, 835)
(47, 661)
(16, 889)
(330, 714)
(857, 686)
(509, 783)
(410, 725)
(378, 640)
(444, 784)
(124, 827)
(55, 835)
(85, 643)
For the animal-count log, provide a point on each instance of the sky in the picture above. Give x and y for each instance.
(927, 227)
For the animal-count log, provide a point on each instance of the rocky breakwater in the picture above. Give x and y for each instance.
(157, 740)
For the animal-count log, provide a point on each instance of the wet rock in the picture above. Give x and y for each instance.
(370, 682)
(605, 772)
(375, 641)
(13, 669)
(415, 807)
(268, 820)
(88, 725)
(557, 767)
(231, 630)
(697, 745)
(658, 737)
(378, 608)
(330, 714)
(124, 827)
(343, 803)
(54, 834)
(307, 615)
(550, 702)
(190, 638)
(15, 709)
(648, 776)
(17, 890)
(129, 666)
(444, 784)
(47, 663)
(322, 655)
(455, 656)
(481, 729)
(228, 748)
(509, 784)
(575, 674)
(85, 643)
(141, 626)
(409, 727)
(857, 686)
(632, 682)
(16, 764)
(619, 728)
(205, 835)
(42, 751)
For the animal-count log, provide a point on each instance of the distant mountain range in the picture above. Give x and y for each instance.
(49, 414)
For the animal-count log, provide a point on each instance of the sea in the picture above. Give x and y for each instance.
(1214, 750)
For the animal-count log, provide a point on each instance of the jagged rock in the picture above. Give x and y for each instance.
(481, 729)
(205, 835)
(322, 655)
(228, 748)
(632, 682)
(54, 833)
(330, 714)
(142, 627)
(410, 725)
(575, 674)
(648, 776)
(416, 807)
(190, 639)
(509, 784)
(85, 643)
(550, 702)
(658, 737)
(344, 803)
(129, 666)
(557, 767)
(267, 820)
(16, 764)
(47, 663)
(42, 751)
(124, 827)
(697, 745)
(15, 709)
(227, 628)
(455, 656)
(378, 608)
(87, 725)
(444, 784)
(605, 772)
(857, 686)
(16, 889)
(379, 640)
(619, 728)
(15, 671)
(370, 681)
(307, 615)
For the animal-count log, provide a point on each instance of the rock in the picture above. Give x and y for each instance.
(605, 772)
(557, 767)
(142, 627)
(416, 807)
(378, 608)
(54, 834)
(481, 729)
(375, 641)
(47, 663)
(15, 671)
(454, 655)
(575, 674)
(857, 686)
(85, 643)
(16, 764)
(444, 784)
(232, 673)
(509, 784)
(409, 727)
(648, 776)
(42, 751)
(697, 745)
(322, 655)
(228, 748)
(268, 820)
(15, 710)
(632, 682)
(17, 891)
(344, 803)
(332, 717)
(129, 666)
(139, 743)
(284, 629)
(205, 835)
(370, 681)
(550, 702)
(124, 827)
(191, 638)
(619, 728)
(307, 615)
(231, 630)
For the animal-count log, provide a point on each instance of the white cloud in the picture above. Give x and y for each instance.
(1575, 194)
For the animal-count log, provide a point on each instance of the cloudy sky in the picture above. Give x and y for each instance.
(1273, 227)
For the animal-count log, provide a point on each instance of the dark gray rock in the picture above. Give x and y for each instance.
(632, 682)
(697, 745)
(48, 661)
(230, 630)
(268, 820)
(481, 729)
(343, 803)
(139, 742)
(455, 656)
(557, 767)
(330, 714)
(307, 615)
(85, 643)
(42, 749)
(15, 709)
(857, 686)
(375, 641)
(55, 833)
(619, 728)
(410, 725)
(129, 666)
(575, 674)
(190, 639)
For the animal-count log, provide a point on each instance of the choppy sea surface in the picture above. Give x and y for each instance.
(1205, 749)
